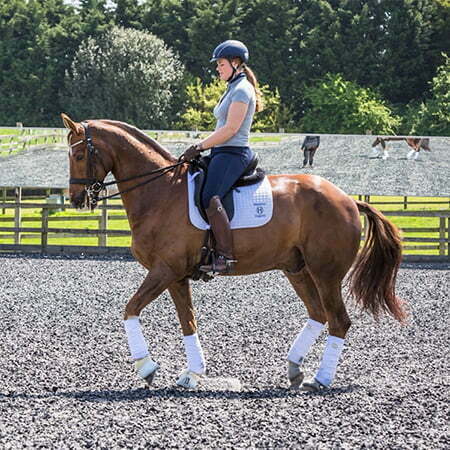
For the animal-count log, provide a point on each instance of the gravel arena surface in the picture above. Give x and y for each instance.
(68, 382)
(343, 160)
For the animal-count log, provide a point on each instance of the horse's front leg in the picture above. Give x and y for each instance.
(156, 282)
(182, 296)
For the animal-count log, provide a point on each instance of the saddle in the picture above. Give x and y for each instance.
(252, 175)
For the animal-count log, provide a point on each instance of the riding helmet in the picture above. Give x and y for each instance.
(230, 49)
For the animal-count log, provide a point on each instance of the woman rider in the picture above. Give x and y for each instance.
(229, 143)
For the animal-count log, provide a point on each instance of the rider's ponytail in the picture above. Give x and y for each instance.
(252, 78)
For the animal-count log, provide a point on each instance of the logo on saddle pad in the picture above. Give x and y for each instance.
(253, 205)
(260, 210)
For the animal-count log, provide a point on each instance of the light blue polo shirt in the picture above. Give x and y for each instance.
(239, 90)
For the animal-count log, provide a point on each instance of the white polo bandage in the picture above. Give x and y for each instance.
(330, 359)
(304, 341)
(136, 341)
(194, 354)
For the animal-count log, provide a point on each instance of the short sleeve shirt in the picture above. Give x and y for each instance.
(240, 90)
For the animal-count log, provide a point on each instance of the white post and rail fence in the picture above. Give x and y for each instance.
(29, 138)
(16, 227)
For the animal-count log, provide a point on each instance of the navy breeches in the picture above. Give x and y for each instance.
(226, 166)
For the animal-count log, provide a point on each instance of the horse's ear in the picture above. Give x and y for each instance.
(71, 125)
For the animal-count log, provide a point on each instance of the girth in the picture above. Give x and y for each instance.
(251, 175)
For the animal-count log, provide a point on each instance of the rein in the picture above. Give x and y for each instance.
(95, 186)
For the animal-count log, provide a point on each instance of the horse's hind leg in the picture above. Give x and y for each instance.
(338, 325)
(182, 296)
(306, 289)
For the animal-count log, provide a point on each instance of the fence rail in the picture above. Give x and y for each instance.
(19, 227)
(27, 138)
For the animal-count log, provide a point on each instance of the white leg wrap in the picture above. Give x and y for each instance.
(330, 359)
(188, 379)
(136, 341)
(416, 155)
(194, 354)
(410, 154)
(304, 340)
(385, 154)
(146, 366)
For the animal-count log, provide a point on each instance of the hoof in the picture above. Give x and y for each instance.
(146, 369)
(295, 375)
(313, 385)
(149, 378)
(188, 379)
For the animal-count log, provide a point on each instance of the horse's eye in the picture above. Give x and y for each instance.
(79, 157)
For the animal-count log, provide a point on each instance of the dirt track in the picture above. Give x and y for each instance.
(67, 381)
(344, 160)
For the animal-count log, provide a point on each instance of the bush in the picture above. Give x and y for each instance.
(126, 75)
(342, 107)
(201, 100)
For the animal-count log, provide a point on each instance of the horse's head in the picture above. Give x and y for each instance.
(88, 168)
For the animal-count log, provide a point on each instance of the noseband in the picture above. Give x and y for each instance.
(93, 185)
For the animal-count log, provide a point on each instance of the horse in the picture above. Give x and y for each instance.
(416, 144)
(313, 237)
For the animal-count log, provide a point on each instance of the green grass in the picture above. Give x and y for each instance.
(404, 222)
(266, 138)
(124, 241)
(120, 241)
(8, 131)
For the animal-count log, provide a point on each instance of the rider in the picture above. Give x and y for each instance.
(229, 144)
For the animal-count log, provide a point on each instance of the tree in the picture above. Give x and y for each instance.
(432, 117)
(21, 62)
(387, 45)
(128, 14)
(38, 40)
(125, 74)
(340, 106)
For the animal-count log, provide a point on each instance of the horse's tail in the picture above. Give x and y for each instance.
(372, 278)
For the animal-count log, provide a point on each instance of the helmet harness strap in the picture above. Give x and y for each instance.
(233, 74)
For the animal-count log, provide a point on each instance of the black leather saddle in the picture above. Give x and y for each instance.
(252, 175)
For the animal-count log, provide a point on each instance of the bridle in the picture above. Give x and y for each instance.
(94, 186)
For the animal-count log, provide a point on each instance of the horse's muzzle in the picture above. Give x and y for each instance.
(79, 200)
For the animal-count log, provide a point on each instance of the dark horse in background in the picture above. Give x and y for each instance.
(313, 237)
(416, 144)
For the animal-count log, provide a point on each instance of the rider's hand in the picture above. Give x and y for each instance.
(192, 152)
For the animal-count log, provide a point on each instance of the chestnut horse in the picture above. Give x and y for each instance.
(313, 238)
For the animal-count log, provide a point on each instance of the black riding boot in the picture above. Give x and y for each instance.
(220, 226)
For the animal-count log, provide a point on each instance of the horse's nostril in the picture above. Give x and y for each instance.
(78, 200)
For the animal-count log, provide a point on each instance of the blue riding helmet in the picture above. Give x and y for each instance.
(230, 49)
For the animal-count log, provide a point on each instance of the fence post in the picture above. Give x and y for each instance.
(44, 231)
(4, 200)
(103, 238)
(405, 202)
(17, 214)
(441, 235)
(448, 236)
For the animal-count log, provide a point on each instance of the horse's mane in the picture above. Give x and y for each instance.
(142, 137)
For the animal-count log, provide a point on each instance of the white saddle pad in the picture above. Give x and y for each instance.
(253, 205)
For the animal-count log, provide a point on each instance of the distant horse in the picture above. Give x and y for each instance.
(313, 237)
(416, 144)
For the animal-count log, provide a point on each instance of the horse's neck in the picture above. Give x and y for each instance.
(132, 161)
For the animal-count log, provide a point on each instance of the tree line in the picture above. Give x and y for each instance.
(324, 65)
